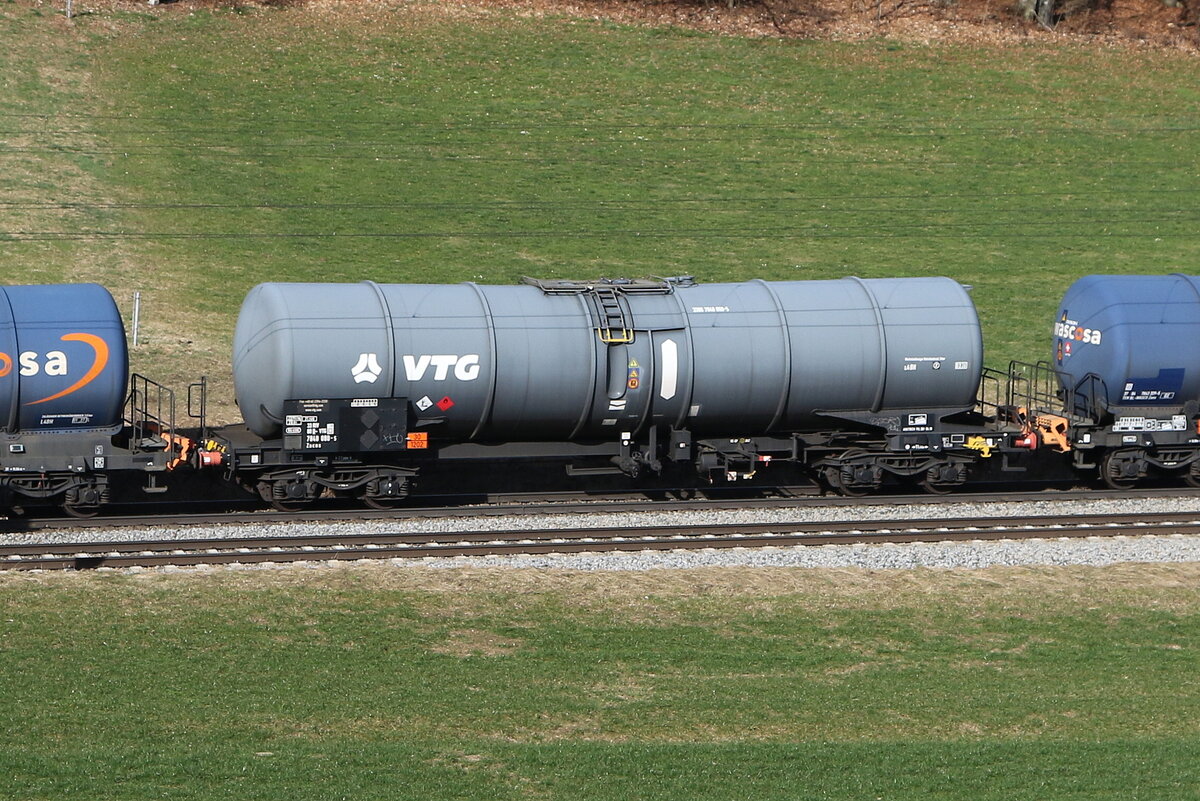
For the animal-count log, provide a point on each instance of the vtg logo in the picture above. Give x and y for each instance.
(31, 363)
(466, 368)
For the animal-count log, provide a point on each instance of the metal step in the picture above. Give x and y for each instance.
(614, 325)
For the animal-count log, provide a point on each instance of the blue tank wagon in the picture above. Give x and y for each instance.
(69, 416)
(1127, 356)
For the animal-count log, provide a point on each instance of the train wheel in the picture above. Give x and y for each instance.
(81, 511)
(82, 501)
(1120, 470)
(383, 504)
(933, 487)
(942, 479)
(1191, 476)
(848, 479)
(385, 493)
(834, 478)
(283, 505)
(277, 494)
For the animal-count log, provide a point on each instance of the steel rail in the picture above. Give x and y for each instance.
(78, 556)
(571, 503)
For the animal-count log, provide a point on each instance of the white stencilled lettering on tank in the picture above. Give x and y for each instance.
(465, 368)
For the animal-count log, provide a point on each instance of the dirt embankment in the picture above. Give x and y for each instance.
(1171, 24)
(1148, 23)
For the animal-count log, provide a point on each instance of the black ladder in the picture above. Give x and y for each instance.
(613, 323)
(610, 309)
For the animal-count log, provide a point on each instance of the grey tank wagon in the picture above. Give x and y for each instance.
(355, 388)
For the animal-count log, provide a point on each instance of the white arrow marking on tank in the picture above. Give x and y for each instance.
(670, 369)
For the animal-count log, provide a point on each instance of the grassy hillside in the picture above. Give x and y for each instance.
(192, 155)
(397, 683)
(189, 155)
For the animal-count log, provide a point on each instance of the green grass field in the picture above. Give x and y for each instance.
(720, 684)
(191, 155)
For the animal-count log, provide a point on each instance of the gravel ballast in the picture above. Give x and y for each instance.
(1067, 551)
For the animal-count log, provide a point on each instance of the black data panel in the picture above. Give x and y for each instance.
(345, 425)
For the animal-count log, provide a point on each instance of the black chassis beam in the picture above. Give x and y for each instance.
(46, 464)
